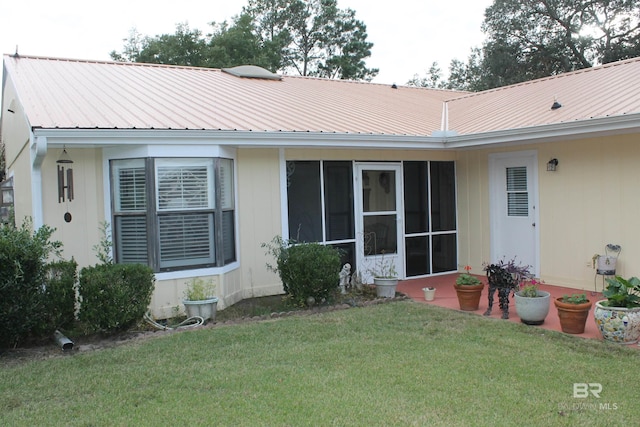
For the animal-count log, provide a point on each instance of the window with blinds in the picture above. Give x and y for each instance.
(165, 212)
(517, 192)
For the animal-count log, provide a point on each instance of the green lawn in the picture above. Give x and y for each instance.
(400, 363)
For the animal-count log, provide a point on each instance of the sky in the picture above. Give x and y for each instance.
(408, 35)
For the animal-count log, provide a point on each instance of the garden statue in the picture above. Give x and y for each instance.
(345, 276)
(499, 278)
(505, 276)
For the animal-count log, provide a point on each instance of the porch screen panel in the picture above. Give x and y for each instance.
(417, 253)
(380, 234)
(347, 254)
(444, 253)
(416, 197)
(338, 200)
(517, 192)
(443, 196)
(304, 201)
(186, 239)
(430, 217)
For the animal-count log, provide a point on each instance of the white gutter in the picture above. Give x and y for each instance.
(615, 125)
(439, 140)
(38, 152)
(263, 139)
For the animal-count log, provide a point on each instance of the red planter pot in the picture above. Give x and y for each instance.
(572, 316)
(469, 296)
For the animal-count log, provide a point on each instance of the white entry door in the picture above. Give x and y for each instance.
(513, 188)
(378, 218)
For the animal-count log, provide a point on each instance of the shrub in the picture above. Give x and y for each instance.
(308, 271)
(23, 257)
(114, 296)
(60, 294)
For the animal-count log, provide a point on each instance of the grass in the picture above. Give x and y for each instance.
(400, 363)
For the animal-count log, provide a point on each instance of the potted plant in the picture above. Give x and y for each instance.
(429, 293)
(618, 317)
(504, 277)
(532, 304)
(200, 300)
(468, 289)
(573, 312)
(385, 277)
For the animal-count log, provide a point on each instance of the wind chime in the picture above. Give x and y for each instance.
(65, 181)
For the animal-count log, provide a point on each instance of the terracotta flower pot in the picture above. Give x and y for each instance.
(469, 296)
(572, 316)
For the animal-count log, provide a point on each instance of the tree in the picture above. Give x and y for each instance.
(314, 37)
(185, 47)
(532, 39)
(305, 37)
(433, 79)
(240, 45)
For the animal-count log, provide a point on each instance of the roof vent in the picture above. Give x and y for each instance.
(556, 105)
(252, 72)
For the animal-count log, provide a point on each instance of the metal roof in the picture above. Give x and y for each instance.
(76, 94)
(604, 91)
(59, 93)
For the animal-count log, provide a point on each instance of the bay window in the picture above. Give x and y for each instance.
(173, 214)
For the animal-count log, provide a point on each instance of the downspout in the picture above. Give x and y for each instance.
(38, 152)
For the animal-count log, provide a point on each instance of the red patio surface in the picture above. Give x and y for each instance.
(445, 296)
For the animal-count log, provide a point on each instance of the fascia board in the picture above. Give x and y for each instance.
(116, 137)
(628, 123)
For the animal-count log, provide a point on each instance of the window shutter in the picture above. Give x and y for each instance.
(131, 239)
(517, 193)
(130, 186)
(226, 183)
(185, 186)
(186, 239)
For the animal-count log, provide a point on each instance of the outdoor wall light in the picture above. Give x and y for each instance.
(552, 165)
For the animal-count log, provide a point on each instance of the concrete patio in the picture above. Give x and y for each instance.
(445, 296)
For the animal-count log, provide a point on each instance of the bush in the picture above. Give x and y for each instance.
(307, 270)
(23, 257)
(60, 294)
(114, 296)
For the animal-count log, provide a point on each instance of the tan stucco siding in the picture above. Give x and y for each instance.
(473, 210)
(20, 169)
(87, 208)
(591, 200)
(259, 215)
(15, 138)
(15, 127)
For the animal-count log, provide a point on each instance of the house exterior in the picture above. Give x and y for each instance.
(194, 169)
